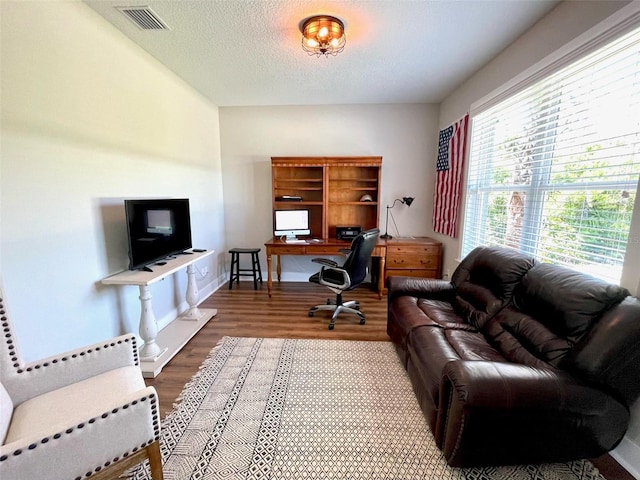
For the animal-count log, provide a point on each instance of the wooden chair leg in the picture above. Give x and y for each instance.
(155, 461)
(152, 452)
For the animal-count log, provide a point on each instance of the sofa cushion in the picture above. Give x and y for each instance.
(485, 280)
(472, 346)
(566, 301)
(523, 339)
(425, 311)
(430, 349)
(407, 313)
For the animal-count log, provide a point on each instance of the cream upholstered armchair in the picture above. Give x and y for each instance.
(84, 413)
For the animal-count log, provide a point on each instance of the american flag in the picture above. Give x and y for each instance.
(449, 167)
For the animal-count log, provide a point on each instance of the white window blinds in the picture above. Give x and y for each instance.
(553, 170)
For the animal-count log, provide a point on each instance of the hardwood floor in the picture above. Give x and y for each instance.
(245, 312)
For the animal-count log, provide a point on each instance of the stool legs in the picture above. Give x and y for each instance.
(257, 271)
(236, 271)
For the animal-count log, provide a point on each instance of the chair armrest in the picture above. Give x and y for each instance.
(492, 400)
(325, 261)
(95, 441)
(420, 287)
(346, 279)
(27, 380)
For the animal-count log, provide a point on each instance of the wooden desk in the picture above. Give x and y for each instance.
(327, 246)
(415, 253)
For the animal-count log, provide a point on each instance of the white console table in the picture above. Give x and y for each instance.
(160, 347)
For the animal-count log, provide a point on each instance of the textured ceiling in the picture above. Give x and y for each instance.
(248, 52)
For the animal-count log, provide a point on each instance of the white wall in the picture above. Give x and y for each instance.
(559, 27)
(89, 119)
(404, 135)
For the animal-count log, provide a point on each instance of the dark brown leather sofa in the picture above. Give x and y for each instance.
(515, 361)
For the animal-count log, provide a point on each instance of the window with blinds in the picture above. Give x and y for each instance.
(553, 170)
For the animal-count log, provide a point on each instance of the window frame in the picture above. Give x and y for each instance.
(623, 21)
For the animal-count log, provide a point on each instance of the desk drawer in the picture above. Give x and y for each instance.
(412, 260)
(426, 273)
(288, 250)
(325, 250)
(401, 250)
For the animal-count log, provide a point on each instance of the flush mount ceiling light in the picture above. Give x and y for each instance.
(323, 35)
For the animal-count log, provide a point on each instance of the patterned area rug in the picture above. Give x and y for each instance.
(312, 409)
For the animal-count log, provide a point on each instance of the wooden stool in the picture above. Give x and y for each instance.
(237, 272)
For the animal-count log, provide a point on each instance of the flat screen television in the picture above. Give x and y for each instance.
(156, 229)
(290, 223)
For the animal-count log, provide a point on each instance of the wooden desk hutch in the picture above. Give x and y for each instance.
(331, 188)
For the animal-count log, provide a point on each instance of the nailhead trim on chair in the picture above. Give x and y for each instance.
(154, 410)
(14, 358)
(16, 364)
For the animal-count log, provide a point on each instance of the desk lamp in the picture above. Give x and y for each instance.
(407, 201)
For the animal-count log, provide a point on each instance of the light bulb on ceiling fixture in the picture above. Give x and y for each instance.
(323, 35)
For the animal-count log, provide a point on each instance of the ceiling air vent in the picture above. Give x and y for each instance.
(144, 18)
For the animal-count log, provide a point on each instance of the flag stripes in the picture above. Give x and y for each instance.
(448, 189)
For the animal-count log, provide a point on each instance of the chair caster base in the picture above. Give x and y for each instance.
(348, 307)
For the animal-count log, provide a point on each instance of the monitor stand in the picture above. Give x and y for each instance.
(293, 239)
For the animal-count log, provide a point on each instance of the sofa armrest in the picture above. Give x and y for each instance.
(420, 287)
(27, 380)
(492, 400)
(484, 384)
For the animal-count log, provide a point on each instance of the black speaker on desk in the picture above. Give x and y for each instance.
(347, 233)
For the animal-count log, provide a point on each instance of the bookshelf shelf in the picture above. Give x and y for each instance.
(331, 187)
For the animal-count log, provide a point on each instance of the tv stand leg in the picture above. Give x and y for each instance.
(148, 327)
(192, 295)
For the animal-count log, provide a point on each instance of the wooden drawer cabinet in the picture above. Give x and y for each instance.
(417, 257)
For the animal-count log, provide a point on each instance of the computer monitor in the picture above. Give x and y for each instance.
(291, 223)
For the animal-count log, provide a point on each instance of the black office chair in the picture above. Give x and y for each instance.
(342, 278)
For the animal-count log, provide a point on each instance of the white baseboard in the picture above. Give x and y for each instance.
(293, 277)
(627, 454)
